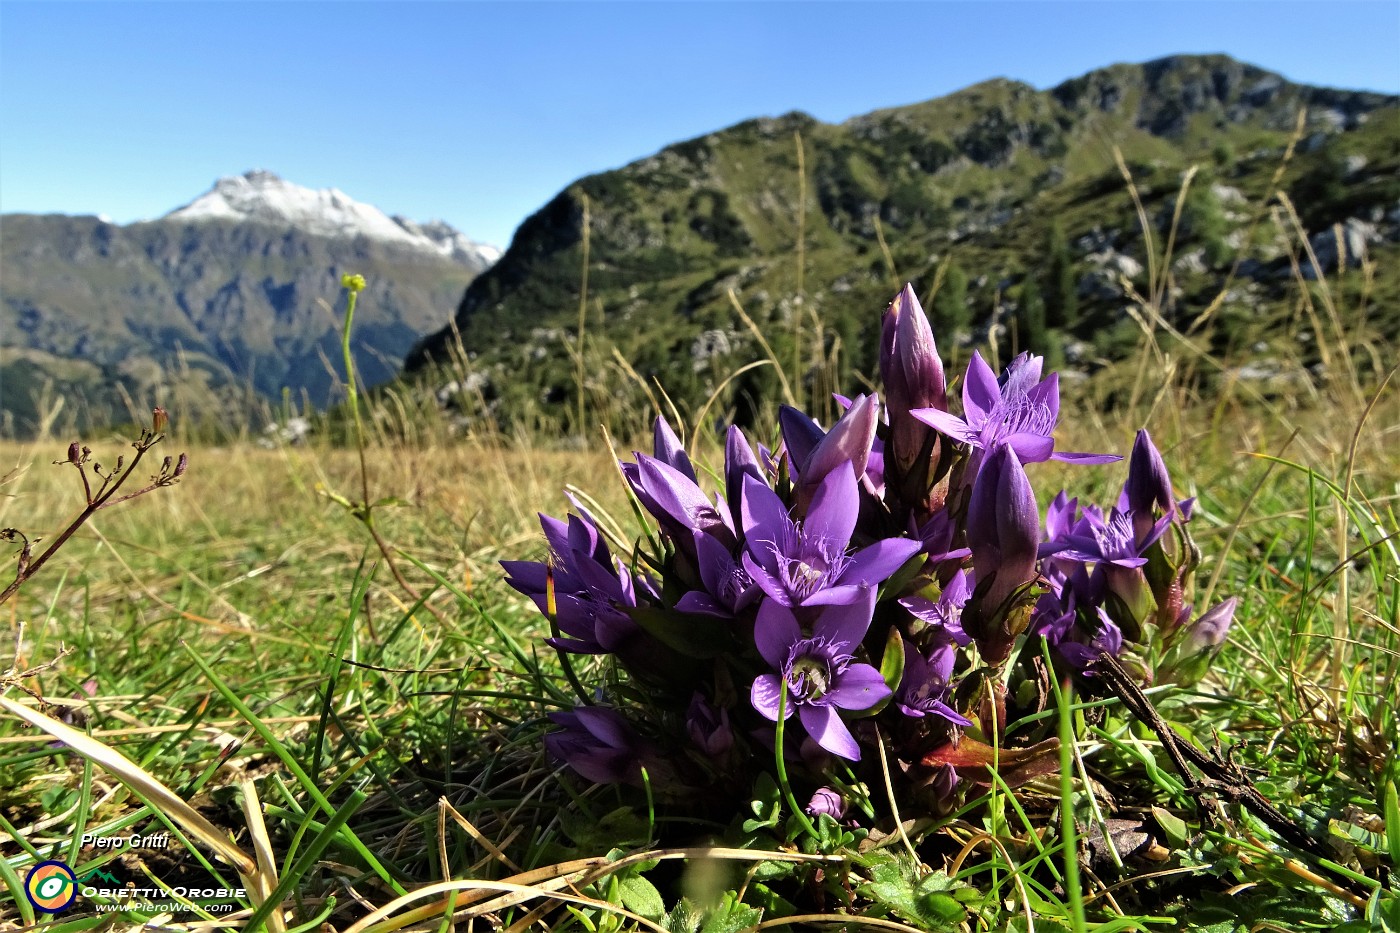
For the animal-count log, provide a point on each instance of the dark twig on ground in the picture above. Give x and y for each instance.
(1220, 775)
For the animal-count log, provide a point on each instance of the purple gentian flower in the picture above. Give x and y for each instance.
(1113, 544)
(820, 671)
(1113, 540)
(598, 743)
(1148, 485)
(923, 690)
(944, 614)
(827, 802)
(1107, 640)
(1020, 411)
(945, 782)
(805, 563)
(729, 589)
(709, 728)
(592, 590)
(937, 536)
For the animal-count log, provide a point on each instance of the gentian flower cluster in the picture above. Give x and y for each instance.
(892, 580)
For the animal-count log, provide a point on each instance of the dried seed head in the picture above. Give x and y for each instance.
(75, 453)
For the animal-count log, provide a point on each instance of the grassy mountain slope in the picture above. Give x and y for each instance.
(980, 182)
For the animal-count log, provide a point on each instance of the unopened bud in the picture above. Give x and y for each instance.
(352, 283)
(827, 801)
(159, 419)
(75, 453)
(165, 464)
(181, 465)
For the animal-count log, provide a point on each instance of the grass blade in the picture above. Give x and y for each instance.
(139, 782)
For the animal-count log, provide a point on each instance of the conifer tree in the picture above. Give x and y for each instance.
(951, 318)
(1062, 302)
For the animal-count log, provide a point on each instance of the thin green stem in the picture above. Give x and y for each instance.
(782, 765)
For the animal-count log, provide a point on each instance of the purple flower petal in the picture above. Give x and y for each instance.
(1031, 448)
(739, 463)
(878, 562)
(775, 630)
(801, 435)
(848, 442)
(676, 496)
(943, 422)
(846, 624)
(1085, 459)
(763, 517)
(700, 603)
(981, 392)
(838, 595)
(765, 580)
(860, 686)
(668, 449)
(766, 695)
(835, 507)
(825, 727)
(607, 725)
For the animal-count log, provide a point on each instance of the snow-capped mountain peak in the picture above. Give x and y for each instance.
(261, 196)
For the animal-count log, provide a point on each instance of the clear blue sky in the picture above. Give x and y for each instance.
(477, 113)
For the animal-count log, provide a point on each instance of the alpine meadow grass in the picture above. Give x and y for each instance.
(314, 647)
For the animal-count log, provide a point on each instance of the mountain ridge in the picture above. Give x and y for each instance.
(261, 196)
(194, 309)
(961, 176)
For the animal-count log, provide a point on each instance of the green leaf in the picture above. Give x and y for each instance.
(899, 581)
(927, 901)
(892, 662)
(766, 804)
(731, 916)
(774, 871)
(683, 918)
(641, 897)
(1173, 827)
(693, 636)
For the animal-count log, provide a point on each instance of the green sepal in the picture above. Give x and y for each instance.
(694, 636)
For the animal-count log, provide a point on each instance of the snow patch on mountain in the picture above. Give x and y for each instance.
(263, 197)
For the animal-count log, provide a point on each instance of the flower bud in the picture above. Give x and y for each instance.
(1148, 485)
(827, 802)
(1003, 525)
(709, 728)
(181, 465)
(354, 284)
(74, 454)
(159, 419)
(913, 378)
(848, 441)
(1210, 629)
(1003, 532)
